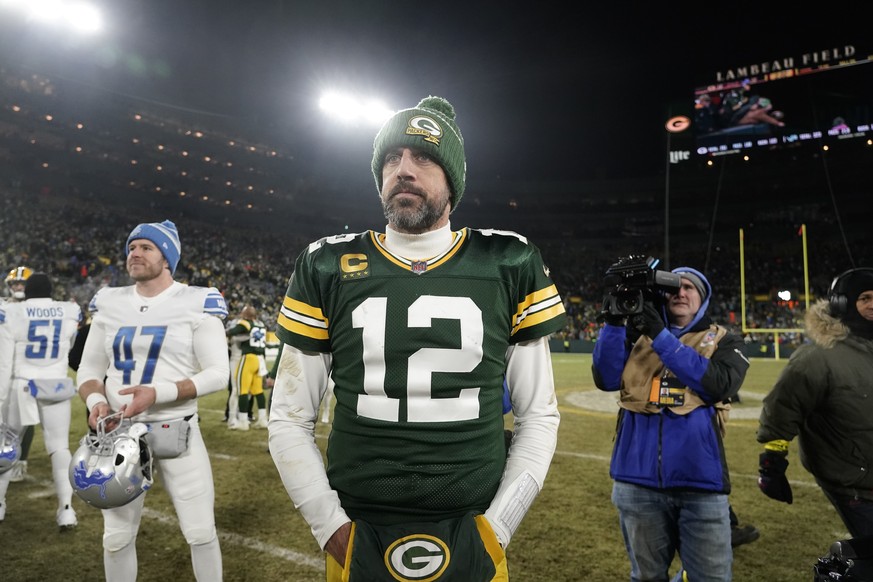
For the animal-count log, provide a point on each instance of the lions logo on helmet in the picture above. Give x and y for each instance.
(112, 469)
(10, 448)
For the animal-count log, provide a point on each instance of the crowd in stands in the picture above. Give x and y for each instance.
(78, 244)
(77, 171)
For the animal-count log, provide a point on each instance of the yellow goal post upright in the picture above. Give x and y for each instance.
(773, 330)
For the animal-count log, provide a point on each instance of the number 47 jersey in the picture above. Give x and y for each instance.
(418, 359)
(150, 340)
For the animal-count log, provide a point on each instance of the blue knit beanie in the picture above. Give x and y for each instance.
(164, 235)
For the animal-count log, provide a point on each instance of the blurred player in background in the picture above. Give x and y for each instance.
(251, 369)
(15, 281)
(231, 409)
(36, 336)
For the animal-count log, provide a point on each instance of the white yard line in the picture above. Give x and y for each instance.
(314, 562)
(250, 543)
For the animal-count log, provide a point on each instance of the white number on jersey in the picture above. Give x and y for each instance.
(370, 316)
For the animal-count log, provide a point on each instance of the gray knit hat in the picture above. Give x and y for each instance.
(429, 126)
(697, 279)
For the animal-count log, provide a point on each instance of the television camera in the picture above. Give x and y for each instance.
(633, 280)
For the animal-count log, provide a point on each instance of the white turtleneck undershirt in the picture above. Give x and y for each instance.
(418, 246)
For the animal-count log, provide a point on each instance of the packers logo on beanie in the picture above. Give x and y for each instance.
(429, 126)
(164, 235)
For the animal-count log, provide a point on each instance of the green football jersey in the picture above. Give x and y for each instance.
(256, 342)
(419, 353)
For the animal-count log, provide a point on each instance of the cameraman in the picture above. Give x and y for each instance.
(675, 369)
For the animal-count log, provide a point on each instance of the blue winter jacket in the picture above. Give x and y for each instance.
(668, 450)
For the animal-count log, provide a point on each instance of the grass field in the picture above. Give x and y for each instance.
(571, 532)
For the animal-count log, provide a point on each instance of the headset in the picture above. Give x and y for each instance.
(839, 302)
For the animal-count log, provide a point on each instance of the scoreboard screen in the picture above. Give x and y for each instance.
(780, 104)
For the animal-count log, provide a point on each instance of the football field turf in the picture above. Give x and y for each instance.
(570, 533)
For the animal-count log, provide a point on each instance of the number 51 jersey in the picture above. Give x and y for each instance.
(419, 351)
(43, 331)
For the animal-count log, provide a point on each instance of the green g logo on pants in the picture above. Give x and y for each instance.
(417, 558)
(460, 549)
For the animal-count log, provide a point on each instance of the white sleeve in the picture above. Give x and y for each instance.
(210, 348)
(301, 382)
(7, 354)
(95, 361)
(535, 408)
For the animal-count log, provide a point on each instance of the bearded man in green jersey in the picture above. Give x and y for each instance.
(417, 328)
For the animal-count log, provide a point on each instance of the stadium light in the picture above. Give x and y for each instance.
(353, 110)
(81, 17)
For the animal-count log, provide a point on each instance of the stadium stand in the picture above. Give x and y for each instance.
(81, 165)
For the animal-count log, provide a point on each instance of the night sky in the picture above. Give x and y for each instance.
(542, 92)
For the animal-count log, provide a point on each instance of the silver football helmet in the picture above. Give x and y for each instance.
(111, 469)
(10, 447)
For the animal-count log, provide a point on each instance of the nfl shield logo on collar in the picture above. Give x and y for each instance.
(418, 267)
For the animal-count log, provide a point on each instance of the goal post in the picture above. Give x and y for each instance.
(775, 331)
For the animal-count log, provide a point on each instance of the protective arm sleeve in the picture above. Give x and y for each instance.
(210, 348)
(95, 361)
(301, 382)
(610, 354)
(7, 353)
(275, 368)
(535, 408)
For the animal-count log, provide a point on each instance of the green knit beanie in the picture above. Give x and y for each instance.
(429, 126)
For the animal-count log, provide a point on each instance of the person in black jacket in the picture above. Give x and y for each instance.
(74, 358)
(823, 398)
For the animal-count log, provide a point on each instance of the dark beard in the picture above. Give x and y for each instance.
(406, 216)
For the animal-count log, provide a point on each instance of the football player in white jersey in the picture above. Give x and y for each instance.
(15, 280)
(159, 344)
(35, 337)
